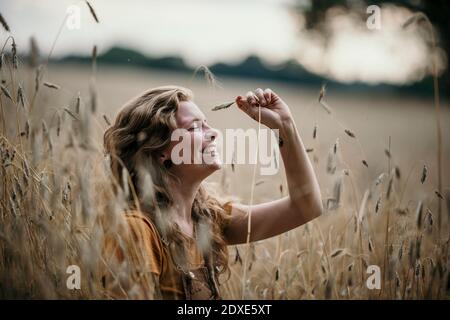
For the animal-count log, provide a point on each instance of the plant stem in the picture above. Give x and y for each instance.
(249, 223)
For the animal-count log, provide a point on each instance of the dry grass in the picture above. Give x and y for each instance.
(58, 206)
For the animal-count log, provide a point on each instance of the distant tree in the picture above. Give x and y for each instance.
(438, 12)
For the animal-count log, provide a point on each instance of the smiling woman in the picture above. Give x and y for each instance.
(164, 226)
(177, 231)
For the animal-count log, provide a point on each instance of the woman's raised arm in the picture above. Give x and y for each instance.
(304, 201)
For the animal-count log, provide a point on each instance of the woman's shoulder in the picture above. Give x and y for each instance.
(142, 225)
(147, 235)
(228, 207)
(136, 216)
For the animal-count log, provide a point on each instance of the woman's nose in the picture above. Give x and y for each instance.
(211, 134)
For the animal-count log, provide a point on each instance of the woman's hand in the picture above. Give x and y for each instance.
(274, 111)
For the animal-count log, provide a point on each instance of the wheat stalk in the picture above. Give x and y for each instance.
(416, 18)
(249, 212)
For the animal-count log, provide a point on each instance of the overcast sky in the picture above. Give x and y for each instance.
(207, 31)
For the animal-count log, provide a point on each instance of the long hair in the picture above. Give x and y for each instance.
(140, 132)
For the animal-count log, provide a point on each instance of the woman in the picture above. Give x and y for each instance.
(180, 230)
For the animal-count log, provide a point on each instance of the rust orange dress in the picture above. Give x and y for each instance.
(173, 282)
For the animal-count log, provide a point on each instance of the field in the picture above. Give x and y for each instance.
(57, 203)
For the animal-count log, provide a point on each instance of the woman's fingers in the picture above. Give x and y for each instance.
(251, 99)
(261, 98)
(250, 102)
(268, 95)
(245, 106)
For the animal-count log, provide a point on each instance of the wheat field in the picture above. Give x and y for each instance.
(374, 155)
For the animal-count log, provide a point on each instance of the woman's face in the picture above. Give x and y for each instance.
(194, 144)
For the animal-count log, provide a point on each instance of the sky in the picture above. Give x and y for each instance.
(209, 31)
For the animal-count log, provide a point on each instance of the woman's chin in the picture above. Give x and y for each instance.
(215, 165)
(203, 171)
(212, 162)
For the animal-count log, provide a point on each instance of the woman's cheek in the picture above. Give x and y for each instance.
(196, 147)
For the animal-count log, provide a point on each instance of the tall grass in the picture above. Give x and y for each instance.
(59, 203)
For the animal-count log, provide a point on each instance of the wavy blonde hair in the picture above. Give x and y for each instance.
(140, 132)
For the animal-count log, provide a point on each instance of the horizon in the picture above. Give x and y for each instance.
(280, 72)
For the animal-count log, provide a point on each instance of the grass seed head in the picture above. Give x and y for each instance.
(424, 174)
(6, 92)
(51, 85)
(222, 106)
(4, 23)
(91, 9)
(350, 133)
(364, 162)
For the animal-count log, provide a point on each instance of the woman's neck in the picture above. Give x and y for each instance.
(183, 195)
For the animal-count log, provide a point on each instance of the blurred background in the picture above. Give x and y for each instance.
(376, 63)
(367, 83)
(292, 40)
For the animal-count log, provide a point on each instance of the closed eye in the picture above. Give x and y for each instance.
(194, 127)
(197, 125)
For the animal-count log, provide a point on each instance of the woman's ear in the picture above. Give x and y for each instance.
(163, 157)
